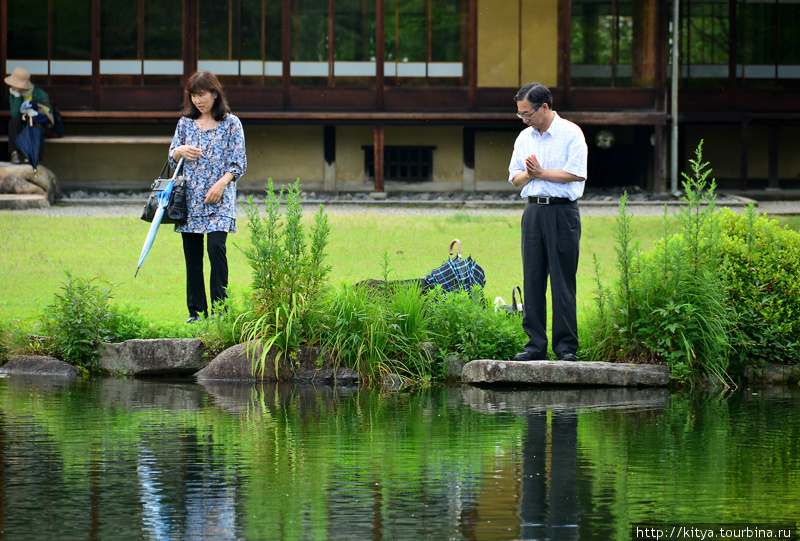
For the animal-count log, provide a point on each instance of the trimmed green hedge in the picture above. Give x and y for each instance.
(760, 267)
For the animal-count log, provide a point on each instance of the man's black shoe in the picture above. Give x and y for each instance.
(525, 356)
(568, 357)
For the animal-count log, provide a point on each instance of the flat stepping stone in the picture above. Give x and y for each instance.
(565, 373)
(23, 201)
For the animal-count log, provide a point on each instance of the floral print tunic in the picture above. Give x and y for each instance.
(223, 152)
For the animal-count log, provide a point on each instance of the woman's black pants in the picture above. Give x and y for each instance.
(195, 281)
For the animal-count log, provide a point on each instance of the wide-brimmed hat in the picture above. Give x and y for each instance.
(19, 78)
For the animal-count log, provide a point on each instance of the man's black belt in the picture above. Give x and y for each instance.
(543, 200)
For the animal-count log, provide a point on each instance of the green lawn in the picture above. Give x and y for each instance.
(36, 251)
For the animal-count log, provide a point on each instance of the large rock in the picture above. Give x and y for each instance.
(37, 365)
(233, 364)
(160, 356)
(236, 364)
(773, 374)
(565, 373)
(11, 183)
(22, 180)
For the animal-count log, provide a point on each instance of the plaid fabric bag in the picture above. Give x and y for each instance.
(457, 273)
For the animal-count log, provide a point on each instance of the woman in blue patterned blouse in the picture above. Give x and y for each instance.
(211, 140)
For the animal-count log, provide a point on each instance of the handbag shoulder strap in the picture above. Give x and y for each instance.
(166, 164)
(175, 173)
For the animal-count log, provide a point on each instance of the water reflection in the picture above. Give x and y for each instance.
(166, 459)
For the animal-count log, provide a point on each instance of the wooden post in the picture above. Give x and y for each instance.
(743, 164)
(659, 157)
(380, 39)
(95, 78)
(286, 51)
(378, 154)
(774, 141)
(472, 54)
(645, 45)
(468, 149)
(329, 179)
(191, 40)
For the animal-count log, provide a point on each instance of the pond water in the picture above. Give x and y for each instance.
(167, 460)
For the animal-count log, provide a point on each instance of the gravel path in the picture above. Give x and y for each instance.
(133, 209)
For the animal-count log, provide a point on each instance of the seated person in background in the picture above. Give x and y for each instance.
(21, 89)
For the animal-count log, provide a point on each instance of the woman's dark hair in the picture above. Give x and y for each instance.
(205, 81)
(536, 94)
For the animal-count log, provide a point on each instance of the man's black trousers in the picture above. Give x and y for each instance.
(551, 236)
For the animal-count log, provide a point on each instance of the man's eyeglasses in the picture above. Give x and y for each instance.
(527, 116)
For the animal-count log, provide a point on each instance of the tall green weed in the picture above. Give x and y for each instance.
(287, 274)
(669, 305)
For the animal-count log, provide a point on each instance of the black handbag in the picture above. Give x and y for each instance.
(176, 211)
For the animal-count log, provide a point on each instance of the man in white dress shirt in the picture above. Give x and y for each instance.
(549, 164)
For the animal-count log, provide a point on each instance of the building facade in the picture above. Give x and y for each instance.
(374, 95)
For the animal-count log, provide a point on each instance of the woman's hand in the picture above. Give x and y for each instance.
(189, 152)
(214, 194)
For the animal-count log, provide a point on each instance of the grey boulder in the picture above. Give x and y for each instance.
(160, 356)
(37, 365)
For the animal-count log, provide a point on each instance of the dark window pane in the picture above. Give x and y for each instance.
(253, 14)
(788, 36)
(119, 30)
(163, 29)
(705, 34)
(72, 30)
(310, 30)
(217, 23)
(756, 36)
(273, 30)
(447, 21)
(602, 43)
(410, 24)
(355, 30)
(27, 35)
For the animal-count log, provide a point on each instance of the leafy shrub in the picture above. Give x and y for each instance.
(760, 267)
(464, 324)
(78, 320)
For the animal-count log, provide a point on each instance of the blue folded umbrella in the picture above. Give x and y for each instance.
(29, 141)
(163, 201)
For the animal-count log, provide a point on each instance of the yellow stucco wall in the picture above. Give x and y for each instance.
(284, 154)
(517, 42)
(722, 149)
(492, 154)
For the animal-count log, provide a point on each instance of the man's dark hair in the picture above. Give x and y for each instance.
(536, 94)
(205, 81)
